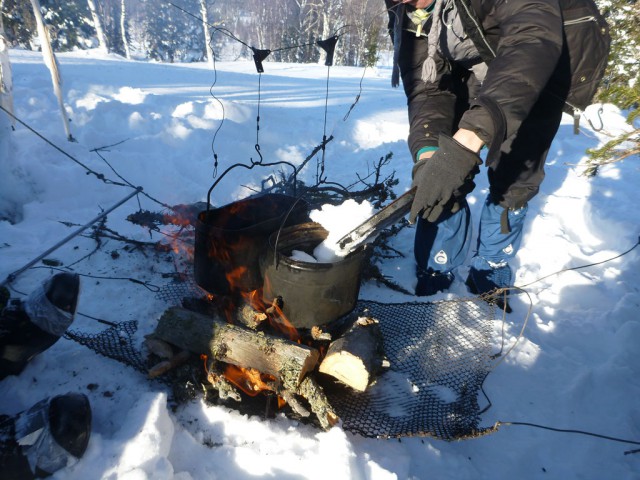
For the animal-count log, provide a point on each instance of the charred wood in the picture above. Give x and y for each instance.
(226, 390)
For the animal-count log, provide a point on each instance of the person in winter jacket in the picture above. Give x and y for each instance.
(477, 74)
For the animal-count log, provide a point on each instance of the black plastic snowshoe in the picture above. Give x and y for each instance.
(30, 326)
(49, 436)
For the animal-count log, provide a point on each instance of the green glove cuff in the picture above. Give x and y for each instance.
(430, 148)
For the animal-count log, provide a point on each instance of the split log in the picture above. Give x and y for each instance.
(284, 359)
(314, 394)
(357, 356)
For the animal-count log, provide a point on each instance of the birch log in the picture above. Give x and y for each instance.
(211, 335)
(356, 357)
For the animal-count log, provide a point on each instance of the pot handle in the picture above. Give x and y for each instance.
(249, 167)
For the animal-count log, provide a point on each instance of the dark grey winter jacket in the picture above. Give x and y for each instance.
(530, 53)
(525, 39)
(523, 43)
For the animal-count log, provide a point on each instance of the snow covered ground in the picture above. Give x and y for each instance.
(576, 366)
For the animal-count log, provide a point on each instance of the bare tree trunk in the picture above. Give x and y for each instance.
(123, 29)
(207, 35)
(6, 81)
(52, 63)
(97, 24)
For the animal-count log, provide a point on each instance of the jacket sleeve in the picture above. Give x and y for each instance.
(529, 40)
(431, 106)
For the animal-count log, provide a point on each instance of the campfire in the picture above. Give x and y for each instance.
(268, 323)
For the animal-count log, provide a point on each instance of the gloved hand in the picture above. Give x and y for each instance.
(448, 172)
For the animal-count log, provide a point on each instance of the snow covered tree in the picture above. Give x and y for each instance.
(69, 24)
(19, 22)
(170, 34)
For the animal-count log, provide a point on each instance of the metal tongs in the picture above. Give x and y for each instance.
(384, 218)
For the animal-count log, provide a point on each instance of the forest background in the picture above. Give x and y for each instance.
(284, 31)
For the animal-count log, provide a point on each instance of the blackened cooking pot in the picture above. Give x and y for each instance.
(313, 294)
(230, 240)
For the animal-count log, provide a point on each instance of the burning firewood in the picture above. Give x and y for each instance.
(286, 360)
(217, 381)
(319, 335)
(251, 318)
(357, 356)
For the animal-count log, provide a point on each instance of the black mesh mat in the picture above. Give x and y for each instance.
(439, 355)
(115, 342)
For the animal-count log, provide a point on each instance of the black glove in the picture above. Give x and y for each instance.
(447, 174)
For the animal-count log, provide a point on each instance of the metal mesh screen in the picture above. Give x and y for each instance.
(439, 354)
(114, 342)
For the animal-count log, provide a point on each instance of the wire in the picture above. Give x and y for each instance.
(213, 27)
(565, 430)
(100, 176)
(301, 45)
(149, 286)
(99, 320)
(491, 296)
(223, 116)
(502, 357)
(321, 165)
(320, 168)
(100, 149)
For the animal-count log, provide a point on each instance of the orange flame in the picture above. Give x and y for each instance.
(235, 275)
(281, 323)
(174, 235)
(177, 220)
(277, 318)
(249, 380)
